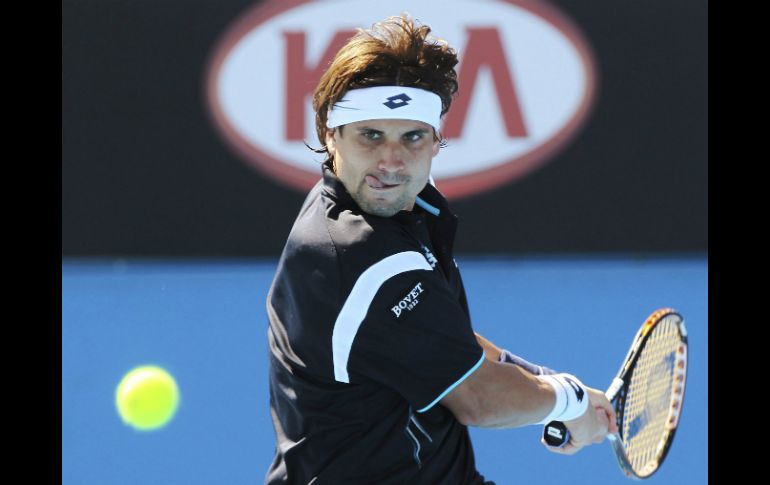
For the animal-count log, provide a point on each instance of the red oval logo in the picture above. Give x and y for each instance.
(527, 83)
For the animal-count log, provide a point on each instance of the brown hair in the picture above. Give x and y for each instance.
(395, 51)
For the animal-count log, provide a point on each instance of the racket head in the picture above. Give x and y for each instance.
(649, 402)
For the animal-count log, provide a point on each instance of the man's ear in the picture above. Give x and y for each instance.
(331, 145)
(436, 142)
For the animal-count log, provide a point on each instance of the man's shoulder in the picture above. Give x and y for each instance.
(362, 239)
(322, 223)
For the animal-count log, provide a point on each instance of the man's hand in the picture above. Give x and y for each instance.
(590, 428)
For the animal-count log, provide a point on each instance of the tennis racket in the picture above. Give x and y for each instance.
(647, 395)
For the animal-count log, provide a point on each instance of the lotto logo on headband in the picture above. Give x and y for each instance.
(401, 98)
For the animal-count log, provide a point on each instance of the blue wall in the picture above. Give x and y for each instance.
(205, 322)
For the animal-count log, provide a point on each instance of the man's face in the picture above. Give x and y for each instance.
(383, 164)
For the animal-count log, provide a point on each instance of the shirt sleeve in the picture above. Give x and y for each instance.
(415, 338)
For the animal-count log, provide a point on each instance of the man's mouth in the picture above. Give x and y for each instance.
(377, 184)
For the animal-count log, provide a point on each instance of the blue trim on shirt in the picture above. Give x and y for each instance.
(449, 389)
(429, 208)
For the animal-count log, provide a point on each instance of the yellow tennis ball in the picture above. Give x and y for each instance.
(147, 398)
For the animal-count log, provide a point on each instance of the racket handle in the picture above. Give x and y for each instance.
(556, 434)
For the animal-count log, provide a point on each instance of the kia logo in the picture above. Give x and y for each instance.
(527, 84)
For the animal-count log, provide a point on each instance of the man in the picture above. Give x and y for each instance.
(375, 370)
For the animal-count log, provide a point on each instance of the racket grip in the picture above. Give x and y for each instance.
(556, 434)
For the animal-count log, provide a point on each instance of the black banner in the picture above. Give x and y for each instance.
(146, 173)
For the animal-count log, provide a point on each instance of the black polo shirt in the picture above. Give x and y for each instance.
(369, 329)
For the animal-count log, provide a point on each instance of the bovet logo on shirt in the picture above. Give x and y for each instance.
(409, 301)
(527, 80)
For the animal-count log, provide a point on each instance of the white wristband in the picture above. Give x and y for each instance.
(571, 397)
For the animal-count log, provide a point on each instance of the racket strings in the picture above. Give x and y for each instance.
(649, 396)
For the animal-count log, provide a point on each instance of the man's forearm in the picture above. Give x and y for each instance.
(500, 395)
(508, 395)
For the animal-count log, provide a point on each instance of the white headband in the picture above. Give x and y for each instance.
(386, 103)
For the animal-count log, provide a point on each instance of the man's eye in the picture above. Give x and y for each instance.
(413, 136)
(372, 135)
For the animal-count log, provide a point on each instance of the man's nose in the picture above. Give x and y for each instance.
(391, 158)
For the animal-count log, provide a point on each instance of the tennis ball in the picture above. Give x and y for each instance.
(147, 398)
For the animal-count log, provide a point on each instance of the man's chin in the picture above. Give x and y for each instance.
(380, 207)
(380, 210)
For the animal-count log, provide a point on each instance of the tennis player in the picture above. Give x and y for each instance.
(375, 369)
